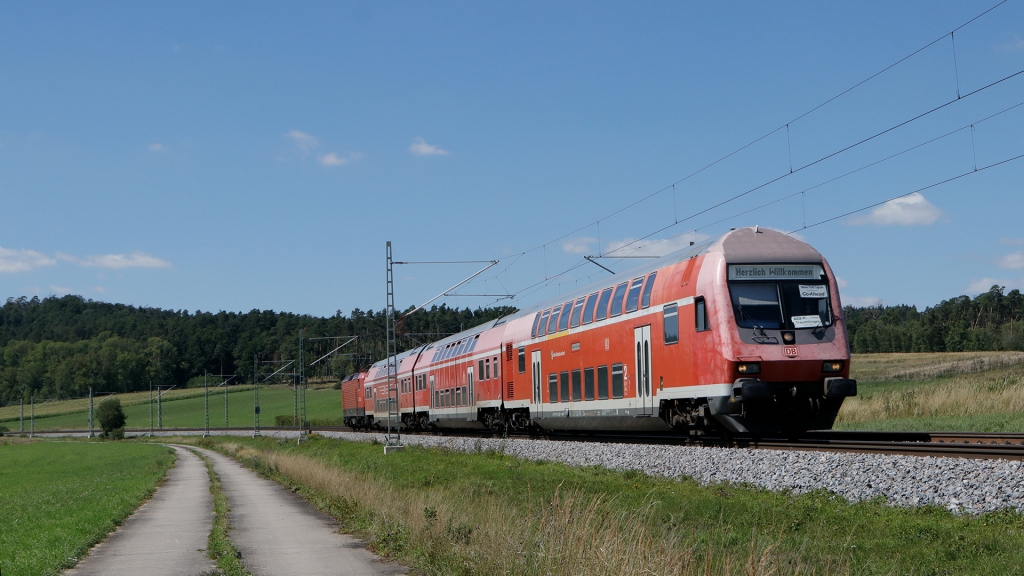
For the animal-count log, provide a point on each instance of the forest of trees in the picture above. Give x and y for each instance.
(60, 347)
(990, 321)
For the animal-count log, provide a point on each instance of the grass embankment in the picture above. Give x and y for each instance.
(976, 391)
(487, 513)
(59, 498)
(189, 412)
(219, 546)
(12, 412)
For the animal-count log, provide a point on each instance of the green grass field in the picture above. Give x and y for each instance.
(482, 513)
(43, 408)
(59, 498)
(189, 412)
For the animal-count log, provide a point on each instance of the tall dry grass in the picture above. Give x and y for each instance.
(570, 533)
(959, 396)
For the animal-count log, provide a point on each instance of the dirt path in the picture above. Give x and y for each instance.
(166, 535)
(279, 534)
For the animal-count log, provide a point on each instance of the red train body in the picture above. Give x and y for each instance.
(743, 333)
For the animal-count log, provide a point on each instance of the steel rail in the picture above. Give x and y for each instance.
(985, 445)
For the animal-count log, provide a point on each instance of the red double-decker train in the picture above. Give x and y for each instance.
(743, 333)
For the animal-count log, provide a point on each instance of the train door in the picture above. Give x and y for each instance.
(469, 397)
(433, 402)
(535, 366)
(644, 393)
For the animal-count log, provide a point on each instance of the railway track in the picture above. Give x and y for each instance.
(985, 445)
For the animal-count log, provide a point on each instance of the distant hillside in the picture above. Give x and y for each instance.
(990, 321)
(59, 347)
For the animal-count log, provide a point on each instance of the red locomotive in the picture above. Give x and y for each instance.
(742, 333)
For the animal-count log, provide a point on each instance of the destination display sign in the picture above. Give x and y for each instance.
(775, 272)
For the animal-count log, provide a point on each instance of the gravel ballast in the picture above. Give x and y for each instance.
(960, 485)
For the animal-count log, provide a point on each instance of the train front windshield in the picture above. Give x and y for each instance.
(781, 305)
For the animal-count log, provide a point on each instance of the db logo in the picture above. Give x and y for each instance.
(791, 351)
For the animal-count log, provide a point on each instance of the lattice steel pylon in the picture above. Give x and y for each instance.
(301, 408)
(394, 415)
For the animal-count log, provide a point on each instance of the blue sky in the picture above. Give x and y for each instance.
(231, 156)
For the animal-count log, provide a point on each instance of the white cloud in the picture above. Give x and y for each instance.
(22, 260)
(861, 301)
(421, 148)
(1013, 261)
(578, 245)
(841, 283)
(909, 210)
(157, 147)
(305, 142)
(1017, 44)
(60, 290)
(332, 159)
(985, 284)
(117, 261)
(653, 247)
(99, 289)
(1012, 241)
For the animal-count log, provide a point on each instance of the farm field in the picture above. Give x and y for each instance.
(965, 391)
(481, 513)
(12, 413)
(189, 412)
(59, 498)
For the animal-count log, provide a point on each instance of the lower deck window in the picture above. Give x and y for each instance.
(563, 380)
(588, 384)
(553, 388)
(618, 381)
(602, 382)
(577, 386)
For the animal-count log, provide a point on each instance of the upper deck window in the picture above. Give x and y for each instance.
(536, 319)
(620, 291)
(602, 305)
(633, 300)
(542, 326)
(553, 321)
(472, 344)
(577, 311)
(588, 312)
(563, 323)
(646, 300)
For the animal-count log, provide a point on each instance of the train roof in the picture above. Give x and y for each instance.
(747, 245)
(743, 245)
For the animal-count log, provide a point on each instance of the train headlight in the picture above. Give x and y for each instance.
(832, 366)
(747, 368)
(788, 337)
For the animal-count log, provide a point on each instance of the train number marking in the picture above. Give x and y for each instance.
(791, 351)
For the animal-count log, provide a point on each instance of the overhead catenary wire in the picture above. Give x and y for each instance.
(770, 133)
(947, 180)
(831, 180)
(823, 158)
(671, 186)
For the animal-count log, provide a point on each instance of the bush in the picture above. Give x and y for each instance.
(3, 429)
(117, 434)
(111, 416)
